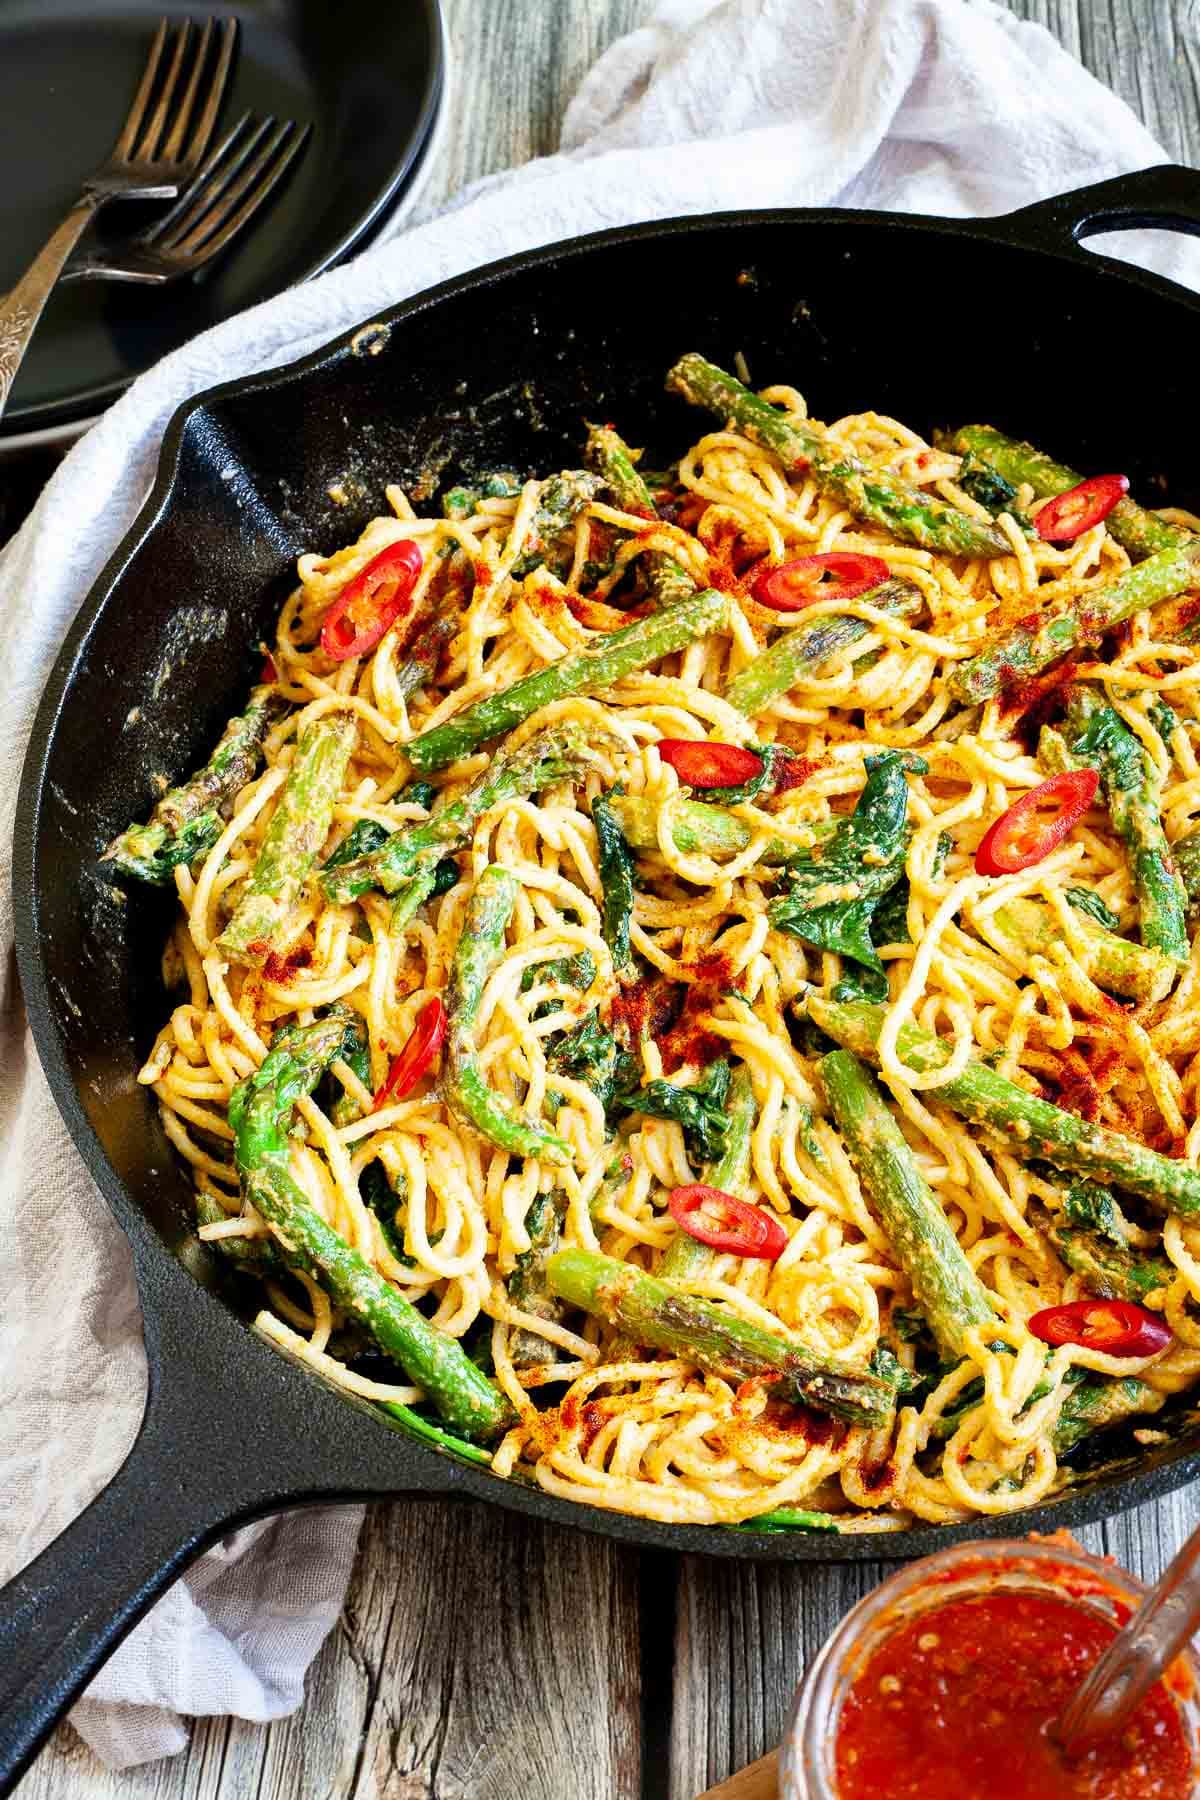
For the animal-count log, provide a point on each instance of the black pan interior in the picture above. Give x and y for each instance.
(936, 324)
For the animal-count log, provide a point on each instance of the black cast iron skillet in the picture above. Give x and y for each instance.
(933, 320)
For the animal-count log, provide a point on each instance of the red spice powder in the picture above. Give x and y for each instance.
(688, 1040)
(793, 771)
(595, 1416)
(782, 1420)
(646, 1008)
(280, 969)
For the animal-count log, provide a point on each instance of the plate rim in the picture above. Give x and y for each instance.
(42, 422)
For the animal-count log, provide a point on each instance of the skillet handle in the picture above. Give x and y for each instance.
(61, 1617)
(211, 1453)
(1165, 197)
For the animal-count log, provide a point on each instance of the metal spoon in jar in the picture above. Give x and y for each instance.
(1138, 1656)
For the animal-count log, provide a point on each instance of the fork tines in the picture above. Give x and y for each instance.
(144, 137)
(231, 186)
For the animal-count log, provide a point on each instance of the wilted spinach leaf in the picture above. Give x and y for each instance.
(836, 886)
(699, 1109)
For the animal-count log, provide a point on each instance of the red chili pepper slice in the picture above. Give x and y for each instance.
(369, 605)
(792, 585)
(268, 672)
(420, 1047)
(1117, 1327)
(1076, 511)
(705, 765)
(1037, 823)
(724, 1222)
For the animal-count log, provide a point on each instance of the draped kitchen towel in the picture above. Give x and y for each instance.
(942, 106)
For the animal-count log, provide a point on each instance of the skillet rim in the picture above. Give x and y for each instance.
(1040, 230)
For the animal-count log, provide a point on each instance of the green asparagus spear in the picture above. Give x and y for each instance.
(1094, 1405)
(686, 1258)
(1034, 643)
(652, 1313)
(460, 1391)
(944, 1284)
(253, 1255)
(1185, 853)
(701, 828)
(527, 1284)
(411, 896)
(623, 652)
(260, 1112)
(616, 878)
(557, 754)
(1112, 1271)
(789, 1518)
(443, 1440)
(363, 836)
(424, 652)
(611, 457)
(1141, 533)
(561, 499)
(356, 1054)
(797, 653)
(299, 826)
(1136, 971)
(1096, 737)
(466, 1093)
(609, 454)
(1031, 1124)
(187, 822)
(872, 494)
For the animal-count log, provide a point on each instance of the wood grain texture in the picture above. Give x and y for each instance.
(479, 1658)
(476, 1658)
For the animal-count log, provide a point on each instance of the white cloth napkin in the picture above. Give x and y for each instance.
(925, 105)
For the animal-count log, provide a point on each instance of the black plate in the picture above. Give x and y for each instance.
(366, 73)
(934, 320)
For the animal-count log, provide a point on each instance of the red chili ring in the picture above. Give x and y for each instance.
(412, 1061)
(369, 606)
(705, 765)
(1019, 838)
(1070, 514)
(790, 586)
(741, 1229)
(1117, 1327)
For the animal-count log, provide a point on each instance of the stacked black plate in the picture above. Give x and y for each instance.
(369, 78)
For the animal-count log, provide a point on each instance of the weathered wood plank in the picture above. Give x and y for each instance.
(477, 1658)
(515, 65)
(1145, 50)
(489, 1652)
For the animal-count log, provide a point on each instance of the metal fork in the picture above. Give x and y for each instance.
(223, 198)
(157, 150)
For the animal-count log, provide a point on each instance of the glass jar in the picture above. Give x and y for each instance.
(807, 1768)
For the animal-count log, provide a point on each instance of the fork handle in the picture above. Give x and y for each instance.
(21, 309)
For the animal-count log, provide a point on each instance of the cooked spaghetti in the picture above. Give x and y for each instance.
(644, 962)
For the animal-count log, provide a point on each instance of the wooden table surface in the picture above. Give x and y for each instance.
(479, 1657)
